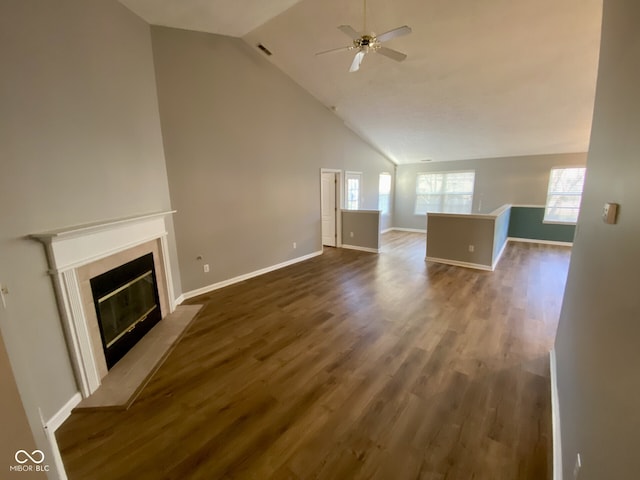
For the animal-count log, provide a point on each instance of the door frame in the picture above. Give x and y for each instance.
(339, 203)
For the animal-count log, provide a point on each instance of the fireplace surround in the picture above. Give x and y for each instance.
(78, 254)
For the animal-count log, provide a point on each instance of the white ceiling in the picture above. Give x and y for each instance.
(225, 17)
(482, 79)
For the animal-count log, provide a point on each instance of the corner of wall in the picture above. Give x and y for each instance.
(555, 418)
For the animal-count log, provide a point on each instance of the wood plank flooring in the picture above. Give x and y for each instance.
(348, 366)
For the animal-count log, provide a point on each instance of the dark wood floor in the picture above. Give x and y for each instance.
(350, 365)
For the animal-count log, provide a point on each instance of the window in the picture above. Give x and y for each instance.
(384, 193)
(353, 190)
(564, 195)
(445, 192)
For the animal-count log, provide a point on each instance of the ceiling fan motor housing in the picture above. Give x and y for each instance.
(365, 41)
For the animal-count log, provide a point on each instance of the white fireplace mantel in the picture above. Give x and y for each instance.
(71, 248)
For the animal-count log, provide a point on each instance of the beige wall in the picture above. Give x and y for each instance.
(598, 342)
(361, 228)
(515, 180)
(244, 146)
(450, 236)
(81, 141)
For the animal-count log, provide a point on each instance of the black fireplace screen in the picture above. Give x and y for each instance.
(127, 305)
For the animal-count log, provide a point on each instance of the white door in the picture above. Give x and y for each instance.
(328, 200)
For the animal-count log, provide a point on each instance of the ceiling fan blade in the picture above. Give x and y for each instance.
(349, 31)
(391, 53)
(357, 60)
(396, 32)
(339, 49)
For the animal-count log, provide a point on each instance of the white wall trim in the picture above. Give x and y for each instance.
(499, 256)
(386, 230)
(552, 222)
(75, 325)
(246, 276)
(543, 242)
(455, 263)
(55, 452)
(178, 301)
(50, 427)
(413, 230)
(362, 249)
(164, 244)
(555, 417)
(61, 415)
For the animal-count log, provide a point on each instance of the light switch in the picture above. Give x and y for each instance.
(3, 291)
(609, 213)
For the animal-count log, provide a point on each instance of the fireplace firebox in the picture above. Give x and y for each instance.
(127, 305)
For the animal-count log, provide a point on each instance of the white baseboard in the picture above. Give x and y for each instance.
(246, 276)
(50, 426)
(455, 263)
(178, 301)
(61, 415)
(362, 249)
(57, 457)
(542, 242)
(386, 230)
(555, 418)
(414, 230)
(499, 256)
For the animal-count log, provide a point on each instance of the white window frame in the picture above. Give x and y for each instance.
(384, 195)
(444, 194)
(551, 194)
(352, 176)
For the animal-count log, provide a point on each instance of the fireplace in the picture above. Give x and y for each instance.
(83, 256)
(127, 305)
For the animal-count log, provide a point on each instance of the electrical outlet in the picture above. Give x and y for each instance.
(206, 268)
(472, 248)
(295, 245)
(577, 466)
(351, 234)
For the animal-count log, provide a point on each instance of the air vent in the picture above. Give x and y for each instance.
(264, 49)
(426, 160)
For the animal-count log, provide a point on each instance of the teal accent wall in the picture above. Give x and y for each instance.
(526, 222)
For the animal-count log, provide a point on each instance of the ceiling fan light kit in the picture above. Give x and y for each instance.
(369, 42)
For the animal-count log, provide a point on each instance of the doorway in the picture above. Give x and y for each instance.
(330, 200)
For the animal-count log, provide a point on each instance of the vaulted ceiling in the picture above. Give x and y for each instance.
(482, 79)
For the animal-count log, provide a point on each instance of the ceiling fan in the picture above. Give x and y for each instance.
(369, 42)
